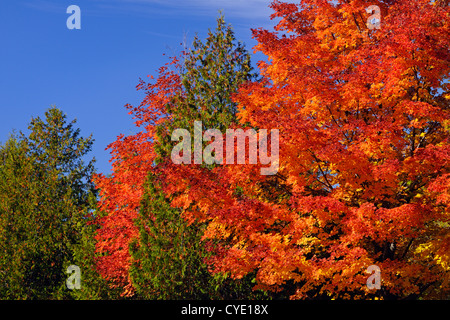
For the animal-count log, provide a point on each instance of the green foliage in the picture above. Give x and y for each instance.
(169, 256)
(44, 196)
(166, 251)
(211, 74)
(93, 286)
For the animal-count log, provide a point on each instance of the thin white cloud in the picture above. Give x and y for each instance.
(254, 9)
(251, 9)
(45, 5)
(248, 9)
(242, 14)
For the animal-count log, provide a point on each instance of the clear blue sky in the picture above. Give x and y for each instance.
(92, 73)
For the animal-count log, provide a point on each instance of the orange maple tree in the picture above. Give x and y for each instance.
(363, 167)
(364, 172)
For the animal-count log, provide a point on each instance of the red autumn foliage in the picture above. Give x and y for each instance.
(364, 171)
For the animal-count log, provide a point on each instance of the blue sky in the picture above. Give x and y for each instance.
(92, 73)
